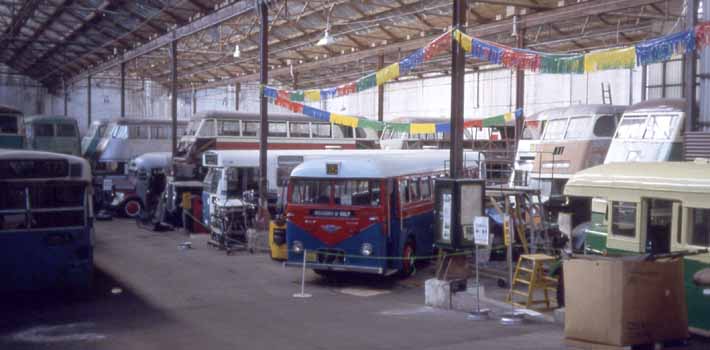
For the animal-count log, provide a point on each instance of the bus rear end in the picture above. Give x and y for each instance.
(340, 224)
(11, 129)
(45, 228)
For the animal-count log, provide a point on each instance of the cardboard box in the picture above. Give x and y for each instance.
(622, 302)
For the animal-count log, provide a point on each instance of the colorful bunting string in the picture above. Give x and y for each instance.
(662, 48)
(650, 51)
(411, 128)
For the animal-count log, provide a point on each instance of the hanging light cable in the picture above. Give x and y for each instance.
(327, 39)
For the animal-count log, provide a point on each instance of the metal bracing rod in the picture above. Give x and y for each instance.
(577, 10)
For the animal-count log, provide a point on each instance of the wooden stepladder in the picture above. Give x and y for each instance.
(530, 272)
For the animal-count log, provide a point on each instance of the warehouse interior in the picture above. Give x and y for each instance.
(426, 123)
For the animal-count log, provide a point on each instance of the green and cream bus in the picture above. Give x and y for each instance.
(658, 207)
(57, 134)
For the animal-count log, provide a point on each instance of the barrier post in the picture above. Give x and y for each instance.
(303, 294)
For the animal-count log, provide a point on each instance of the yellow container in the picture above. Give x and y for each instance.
(277, 240)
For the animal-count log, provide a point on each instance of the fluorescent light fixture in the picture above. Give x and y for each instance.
(327, 39)
(237, 52)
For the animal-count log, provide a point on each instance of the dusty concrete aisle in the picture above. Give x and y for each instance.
(203, 299)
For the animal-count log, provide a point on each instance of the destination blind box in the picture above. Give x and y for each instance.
(457, 203)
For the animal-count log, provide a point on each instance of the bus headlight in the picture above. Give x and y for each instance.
(366, 249)
(297, 247)
(118, 198)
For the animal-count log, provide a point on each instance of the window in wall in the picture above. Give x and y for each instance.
(299, 129)
(700, 230)
(43, 130)
(250, 129)
(623, 216)
(229, 128)
(605, 126)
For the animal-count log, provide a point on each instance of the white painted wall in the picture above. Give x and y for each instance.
(486, 93)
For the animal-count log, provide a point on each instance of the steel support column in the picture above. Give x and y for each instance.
(263, 108)
(643, 83)
(173, 93)
(457, 91)
(123, 89)
(66, 102)
(194, 101)
(519, 87)
(88, 102)
(691, 115)
(237, 92)
(380, 91)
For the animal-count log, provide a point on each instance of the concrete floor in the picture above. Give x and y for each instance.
(200, 298)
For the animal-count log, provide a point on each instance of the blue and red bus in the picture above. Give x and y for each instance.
(369, 213)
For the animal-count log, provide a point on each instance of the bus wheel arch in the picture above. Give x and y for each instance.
(132, 207)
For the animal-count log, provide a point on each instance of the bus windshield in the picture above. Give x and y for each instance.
(655, 127)
(555, 129)
(350, 192)
(8, 124)
(34, 205)
(192, 128)
(579, 128)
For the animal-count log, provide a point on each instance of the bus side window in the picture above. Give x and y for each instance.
(414, 194)
(623, 218)
(403, 191)
(43, 130)
(277, 129)
(250, 129)
(297, 129)
(605, 126)
(424, 188)
(699, 234)
(322, 130)
(229, 128)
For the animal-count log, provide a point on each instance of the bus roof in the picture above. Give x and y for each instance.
(573, 110)
(126, 121)
(688, 181)
(5, 109)
(8, 154)
(50, 119)
(379, 164)
(151, 160)
(250, 158)
(659, 104)
(252, 116)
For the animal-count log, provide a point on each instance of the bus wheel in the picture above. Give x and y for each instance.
(407, 259)
(132, 208)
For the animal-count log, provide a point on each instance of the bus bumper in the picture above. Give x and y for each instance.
(339, 267)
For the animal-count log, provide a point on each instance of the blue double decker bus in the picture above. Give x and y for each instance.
(45, 221)
(370, 212)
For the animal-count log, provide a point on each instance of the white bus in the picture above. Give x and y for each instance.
(650, 131)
